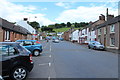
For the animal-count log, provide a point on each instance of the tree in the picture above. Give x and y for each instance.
(58, 25)
(51, 26)
(63, 24)
(69, 24)
(48, 29)
(34, 24)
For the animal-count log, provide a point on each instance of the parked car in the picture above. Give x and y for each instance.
(95, 45)
(16, 60)
(32, 45)
(56, 41)
(61, 39)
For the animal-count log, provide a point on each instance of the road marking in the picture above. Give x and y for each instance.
(43, 64)
(50, 48)
(49, 64)
(50, 56)
(49, 78)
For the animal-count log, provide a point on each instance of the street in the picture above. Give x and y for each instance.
(69, 60)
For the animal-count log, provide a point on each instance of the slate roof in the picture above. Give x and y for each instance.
(109, 22)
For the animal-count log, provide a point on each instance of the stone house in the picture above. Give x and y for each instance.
(88, 33)
(108, 33)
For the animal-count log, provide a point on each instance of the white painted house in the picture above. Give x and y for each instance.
(92, 36)
(75, 36)
(83, 36)
(27, 26)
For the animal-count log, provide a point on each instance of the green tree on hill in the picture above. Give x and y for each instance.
(34, 24)
(69, 24)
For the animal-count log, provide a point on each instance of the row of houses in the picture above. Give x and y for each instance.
(105, 30)
(12, 32)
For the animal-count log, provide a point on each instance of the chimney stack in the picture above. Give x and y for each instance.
(108, 16)
(102, 17)
(25, 19)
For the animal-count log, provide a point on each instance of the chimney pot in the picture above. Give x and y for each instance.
(25, 19)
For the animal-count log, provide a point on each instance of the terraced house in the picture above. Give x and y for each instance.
(11, 32)
(88, 33)
(108, 33)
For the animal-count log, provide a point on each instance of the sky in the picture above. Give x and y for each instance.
(46, 12)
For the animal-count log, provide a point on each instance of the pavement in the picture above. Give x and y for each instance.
(73, 61)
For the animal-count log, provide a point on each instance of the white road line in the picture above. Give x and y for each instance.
(49, 64)
(43, 64)
(50, 56)
(49, 78)
(50, 48)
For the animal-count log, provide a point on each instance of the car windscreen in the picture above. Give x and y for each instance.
(24, 50)
(97, 43)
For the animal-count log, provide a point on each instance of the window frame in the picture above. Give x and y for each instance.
(111, 42)
(99, 31)
(105, 30)
(7, 53)
(111, 28)
(7, 35)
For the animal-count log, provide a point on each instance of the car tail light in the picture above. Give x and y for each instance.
(31, 58)
(38, 42)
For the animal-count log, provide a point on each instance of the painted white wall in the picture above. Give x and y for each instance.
(92, 36)
(24, 24)
(75, 35)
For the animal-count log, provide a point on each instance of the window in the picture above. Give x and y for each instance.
(99, 39)
(4, 50)
(90, 33)
(12, 50)
(99, 31)
(105, 30)
(8, 50)
(27, 43)
(85, 31)
(7, 35)
(112, 41)
(112, 28)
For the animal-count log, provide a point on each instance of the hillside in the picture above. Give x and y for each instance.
(62, 29)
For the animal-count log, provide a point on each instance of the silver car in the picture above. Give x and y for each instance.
(56, 41)
(95, 45)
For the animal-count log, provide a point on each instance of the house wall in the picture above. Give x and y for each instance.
(116, 35)
(105, 38)
(1, 34)
(13, 36)
(102, 35)
(66, 36)
(74, 36)
(92, 33)
(119, 34)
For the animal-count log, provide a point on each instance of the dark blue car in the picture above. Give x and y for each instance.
(32, 45)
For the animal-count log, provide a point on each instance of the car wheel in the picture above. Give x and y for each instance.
(88, 47)
(94, 48)
(19, 73)
(36, 53)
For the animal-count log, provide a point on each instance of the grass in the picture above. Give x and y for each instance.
(62, 29)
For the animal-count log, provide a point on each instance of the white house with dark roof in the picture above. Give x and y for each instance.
(24, 24)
